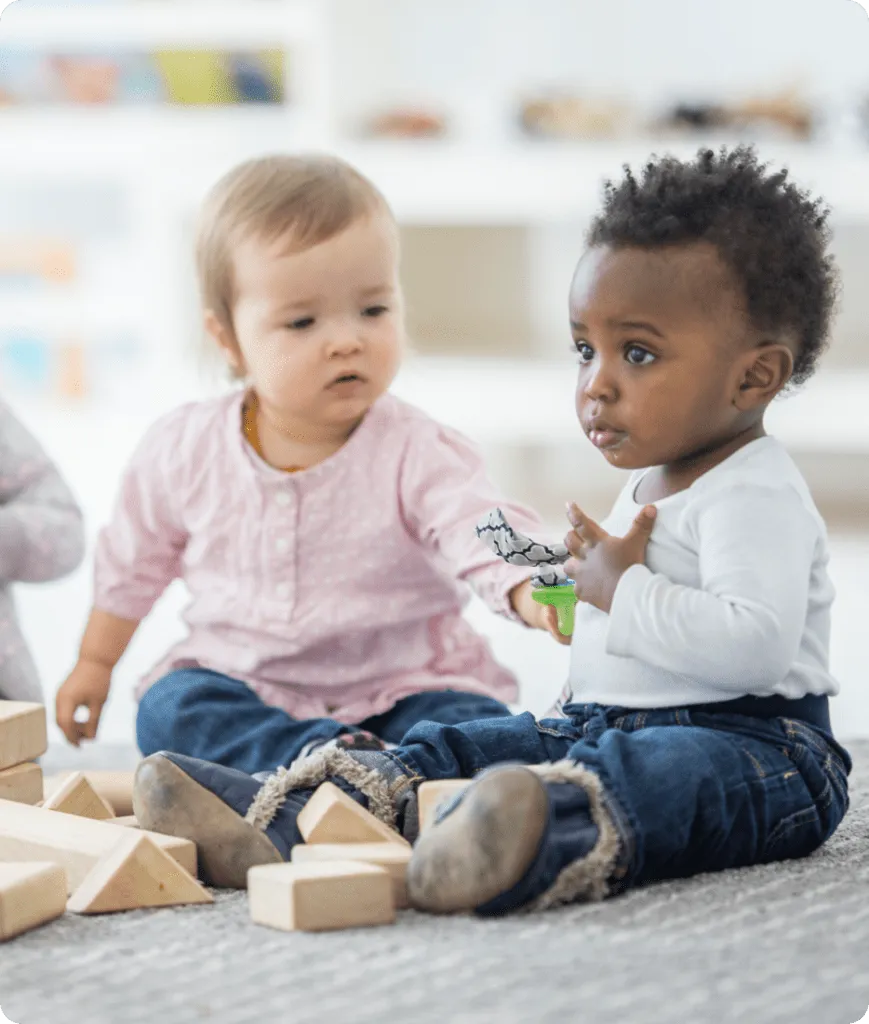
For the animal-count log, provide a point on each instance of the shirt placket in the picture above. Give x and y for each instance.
(281, 542)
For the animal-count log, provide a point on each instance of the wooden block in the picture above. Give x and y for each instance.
(22, 783)
(392, 857)
(134, 875)
(78, 796)
(30, 895)
(331, 816)
(320, 897)
(33, 833)
(23, 736)
(116, 788)
(127, 820)
(432, 794)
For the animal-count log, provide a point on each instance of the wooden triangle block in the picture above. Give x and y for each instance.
(133, 875)
(77, 796)
(332, 816)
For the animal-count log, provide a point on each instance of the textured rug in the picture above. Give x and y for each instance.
(778, 944)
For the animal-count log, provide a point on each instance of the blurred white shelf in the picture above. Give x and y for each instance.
(426, 182)
(143, 25)
(498, 401)
(53, 314)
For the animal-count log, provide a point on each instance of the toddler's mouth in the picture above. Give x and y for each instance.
(347, 379)
(606, 438)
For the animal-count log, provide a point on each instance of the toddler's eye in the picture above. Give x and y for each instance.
(374, 311)
(301, 323)
(584, 351)
(637, 350)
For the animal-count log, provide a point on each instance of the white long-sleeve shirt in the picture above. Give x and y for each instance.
(734, 598)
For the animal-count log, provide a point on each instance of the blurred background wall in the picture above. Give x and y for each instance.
(490, 127)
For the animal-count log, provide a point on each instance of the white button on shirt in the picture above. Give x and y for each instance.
(283, 591)
(282, 498)
(281, 544)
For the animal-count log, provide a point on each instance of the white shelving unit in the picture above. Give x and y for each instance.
(165, 159)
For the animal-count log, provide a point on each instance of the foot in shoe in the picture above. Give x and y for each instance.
(482, 845)
(207, 803)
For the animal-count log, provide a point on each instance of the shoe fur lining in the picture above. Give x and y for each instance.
(308, 773)
(588, 877)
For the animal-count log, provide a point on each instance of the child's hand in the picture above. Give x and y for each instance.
(536, 615)
(599, 560)
(87, 686)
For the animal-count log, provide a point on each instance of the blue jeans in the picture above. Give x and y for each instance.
(688, 791)
(211, 716)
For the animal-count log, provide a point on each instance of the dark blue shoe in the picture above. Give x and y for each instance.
(238, 820)
(517, 838)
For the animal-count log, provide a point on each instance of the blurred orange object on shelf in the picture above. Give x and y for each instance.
(53, 260)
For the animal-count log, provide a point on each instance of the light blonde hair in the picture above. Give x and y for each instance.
(307, 198)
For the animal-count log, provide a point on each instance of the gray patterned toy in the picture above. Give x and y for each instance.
(498, 535)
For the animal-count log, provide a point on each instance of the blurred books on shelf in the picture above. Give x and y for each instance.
(188, 77)
(60, 368)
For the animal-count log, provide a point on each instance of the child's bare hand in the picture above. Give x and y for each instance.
(87, 687)
(536, 615)
(599, 559)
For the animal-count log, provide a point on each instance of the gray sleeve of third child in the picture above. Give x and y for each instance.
(41, 525)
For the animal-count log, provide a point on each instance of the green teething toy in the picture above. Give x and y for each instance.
(564, 599)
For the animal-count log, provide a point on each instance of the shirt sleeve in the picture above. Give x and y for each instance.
(445, 492)
(139, 552)
(742, 627)
(41, 524)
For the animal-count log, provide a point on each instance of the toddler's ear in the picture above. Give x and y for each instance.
(225, 340)
(769, 370)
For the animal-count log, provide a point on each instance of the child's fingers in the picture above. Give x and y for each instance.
(584, 525)
(89, 728)
(575, 544)
(64, 710)
(552, 625)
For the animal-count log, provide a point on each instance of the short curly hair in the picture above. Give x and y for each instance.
(772, 235)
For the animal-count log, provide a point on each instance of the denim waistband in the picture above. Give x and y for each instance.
(812, 709)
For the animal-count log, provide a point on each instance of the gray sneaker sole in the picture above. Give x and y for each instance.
(167, 800)
(483, 847)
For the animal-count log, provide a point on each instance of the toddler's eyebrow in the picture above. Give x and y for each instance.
(636, 324)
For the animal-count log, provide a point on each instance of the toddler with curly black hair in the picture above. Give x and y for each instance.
(697, 736)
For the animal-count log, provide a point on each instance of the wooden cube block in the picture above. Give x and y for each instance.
(320, 897)
(432, 794)
(331, 816)
(115, 787)
(30, 895)
(23, 735)
(133, 875)
(35, 834)
(392, 857)
(21, 783)
(78, 796)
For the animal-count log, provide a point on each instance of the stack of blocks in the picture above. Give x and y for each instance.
(71, 843)
(349, 873)
(69, 851)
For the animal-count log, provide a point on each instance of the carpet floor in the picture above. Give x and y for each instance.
(778, 944)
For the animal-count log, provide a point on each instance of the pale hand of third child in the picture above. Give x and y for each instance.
(599, 559)
(87, 686)
(534, 614)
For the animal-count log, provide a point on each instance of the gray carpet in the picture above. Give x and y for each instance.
(782, 943)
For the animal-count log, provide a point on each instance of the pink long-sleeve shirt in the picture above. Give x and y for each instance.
(334, 591)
